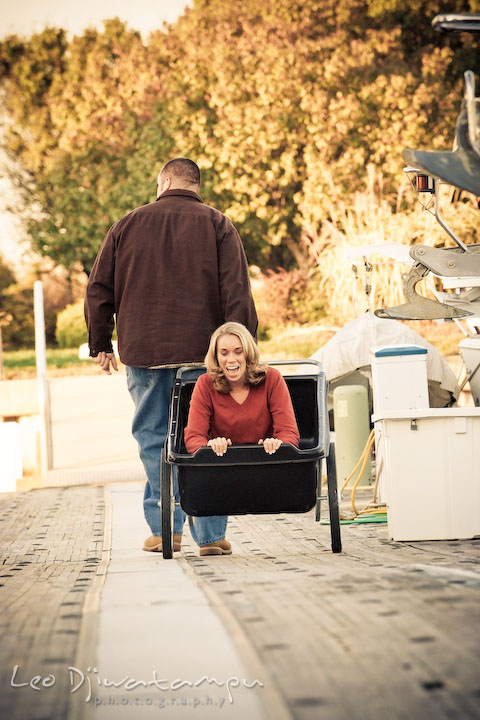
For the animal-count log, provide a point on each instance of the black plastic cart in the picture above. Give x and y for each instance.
(246, 480)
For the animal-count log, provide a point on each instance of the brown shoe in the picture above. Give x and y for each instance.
(221, 547)
(154, 543)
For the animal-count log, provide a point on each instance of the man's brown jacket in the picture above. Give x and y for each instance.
(169, 272)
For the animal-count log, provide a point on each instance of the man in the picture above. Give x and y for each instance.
(170, 272)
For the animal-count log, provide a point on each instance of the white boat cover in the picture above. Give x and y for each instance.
(350, 349)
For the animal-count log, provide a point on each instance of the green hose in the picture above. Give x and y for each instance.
(361, 519)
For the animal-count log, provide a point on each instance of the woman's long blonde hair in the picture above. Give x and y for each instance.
(256, 371)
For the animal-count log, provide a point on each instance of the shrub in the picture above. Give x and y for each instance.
(284, 298)
(307, 300)
(16, 317)
(16, 311)
(71, 329)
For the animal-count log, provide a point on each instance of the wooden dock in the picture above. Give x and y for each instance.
(383, 630)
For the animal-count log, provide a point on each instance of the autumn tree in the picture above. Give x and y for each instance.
(285, 105)
(89, 135)
(279, 99)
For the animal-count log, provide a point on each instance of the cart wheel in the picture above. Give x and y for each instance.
(318, 503)
(333, 501)
(167, 505)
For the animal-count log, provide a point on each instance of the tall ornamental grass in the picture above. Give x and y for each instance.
(371, 218)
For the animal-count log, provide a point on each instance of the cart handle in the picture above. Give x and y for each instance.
(296, 362)
(200, 368)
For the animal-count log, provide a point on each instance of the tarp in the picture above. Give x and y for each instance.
(350, 349)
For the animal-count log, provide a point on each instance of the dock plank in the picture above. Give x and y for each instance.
(384, 629)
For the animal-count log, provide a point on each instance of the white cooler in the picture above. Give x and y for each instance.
(399, 377)
(431, 472)
(399, 382)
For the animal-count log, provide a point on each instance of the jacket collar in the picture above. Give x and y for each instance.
(182, 193)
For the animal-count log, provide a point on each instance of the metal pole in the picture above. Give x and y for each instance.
(43, 387)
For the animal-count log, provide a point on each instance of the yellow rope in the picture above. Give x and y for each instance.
(364, 458)
(365, 451)
(360, 467)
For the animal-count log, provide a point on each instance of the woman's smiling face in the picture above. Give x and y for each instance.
(231, 359)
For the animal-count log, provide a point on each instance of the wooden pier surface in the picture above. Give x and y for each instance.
(383, 630)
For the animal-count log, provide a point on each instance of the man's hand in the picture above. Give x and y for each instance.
(270, 445)
(105, 359)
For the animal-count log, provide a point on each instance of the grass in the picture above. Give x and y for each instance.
(20, 364)
(287, 343)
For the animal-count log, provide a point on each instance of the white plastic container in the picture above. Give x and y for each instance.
(399, 382)
(431, 472)
(399, 378)
(470, 351)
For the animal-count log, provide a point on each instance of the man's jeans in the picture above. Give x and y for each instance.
(151, 391)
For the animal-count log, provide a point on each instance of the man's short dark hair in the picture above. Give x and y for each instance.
(183, 168)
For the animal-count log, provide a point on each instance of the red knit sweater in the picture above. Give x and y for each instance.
(266, 412)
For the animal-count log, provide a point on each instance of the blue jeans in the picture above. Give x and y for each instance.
(151, 390)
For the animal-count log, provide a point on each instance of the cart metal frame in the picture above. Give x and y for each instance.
(246, 480)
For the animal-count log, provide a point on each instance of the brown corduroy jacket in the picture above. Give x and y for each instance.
(169, 273)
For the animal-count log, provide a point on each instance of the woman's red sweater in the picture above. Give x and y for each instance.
(266, 412)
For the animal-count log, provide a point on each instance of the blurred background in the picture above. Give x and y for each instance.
(296, 112)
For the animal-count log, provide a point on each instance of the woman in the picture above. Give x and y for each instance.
(239, 401)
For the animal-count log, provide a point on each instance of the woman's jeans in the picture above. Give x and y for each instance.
(151, 391)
